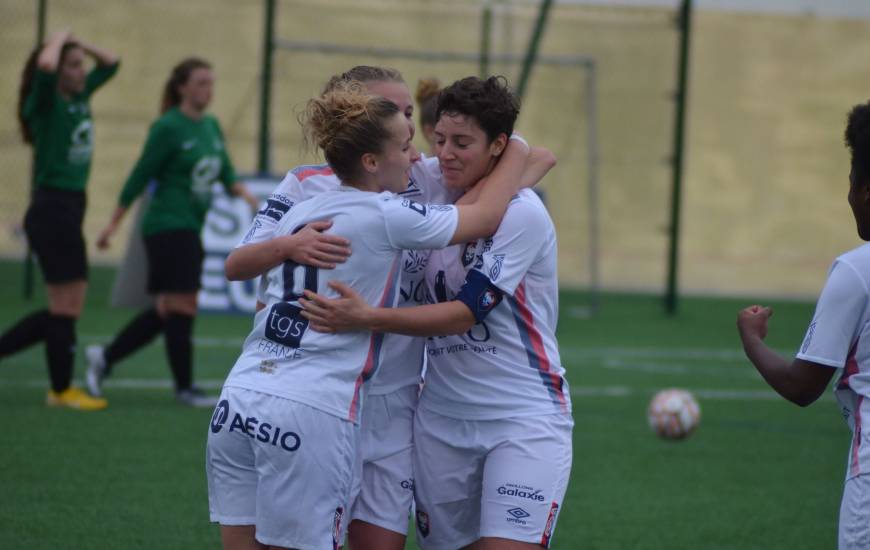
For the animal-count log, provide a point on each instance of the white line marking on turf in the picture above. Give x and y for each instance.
(581, 391)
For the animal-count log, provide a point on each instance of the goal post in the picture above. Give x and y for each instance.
(585, 65)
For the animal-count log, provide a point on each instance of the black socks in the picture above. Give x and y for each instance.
(59, 333)
(60, 350)
(138, 333)
(25, 333)
(179, 349)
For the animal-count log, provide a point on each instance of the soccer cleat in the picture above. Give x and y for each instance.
(195, 397)
(75, 398)
(96, 370)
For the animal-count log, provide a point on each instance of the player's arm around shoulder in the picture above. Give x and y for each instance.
(349, 312)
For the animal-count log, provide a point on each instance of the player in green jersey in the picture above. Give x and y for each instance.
(185, 155)
(55, 117)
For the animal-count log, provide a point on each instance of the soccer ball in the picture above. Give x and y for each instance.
(673, 414)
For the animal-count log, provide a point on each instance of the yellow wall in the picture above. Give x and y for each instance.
(764, 206)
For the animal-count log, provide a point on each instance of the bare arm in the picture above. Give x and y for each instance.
(106, 234)
(540, 162)
(799, 381)
(239, 189)
(350, 312)
(481, 218)
(309, 246)
(49, 57)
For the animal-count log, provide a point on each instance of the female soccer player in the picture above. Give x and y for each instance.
(837, 338)
(185, 153)
(379, 513)
(427, 101)
(55, 117)
(492, 433)
(293, 490)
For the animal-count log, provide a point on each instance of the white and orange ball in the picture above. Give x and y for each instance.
(673, 414)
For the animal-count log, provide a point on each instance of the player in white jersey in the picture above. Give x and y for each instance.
(281, 449)
(493, 429)
(838, 338)
(380, 511)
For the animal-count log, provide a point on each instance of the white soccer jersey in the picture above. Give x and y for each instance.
(326, 371)
(508, 364)
(402, 356)
(839, 337)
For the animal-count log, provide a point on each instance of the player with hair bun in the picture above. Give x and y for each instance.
(185, 153)
(294, 490)
(55, 117)
(838, 339)
(427, 103)
(492, 432)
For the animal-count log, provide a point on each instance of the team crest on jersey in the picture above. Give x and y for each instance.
(468, 254)
(423, 523)
(487, 300)
(495, 270)
(414, 262)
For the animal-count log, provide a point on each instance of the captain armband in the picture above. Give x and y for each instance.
(479, 294)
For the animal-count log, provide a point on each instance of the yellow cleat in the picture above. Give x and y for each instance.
(75, 398)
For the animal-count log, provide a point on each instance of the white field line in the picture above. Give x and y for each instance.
(581, 391)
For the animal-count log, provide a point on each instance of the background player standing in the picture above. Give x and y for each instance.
(186, 154)
(55, 117)
(837, 339)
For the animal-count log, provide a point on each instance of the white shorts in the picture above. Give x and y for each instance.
(489, 478)
(387, 478)
(282, 466)
(855, 514)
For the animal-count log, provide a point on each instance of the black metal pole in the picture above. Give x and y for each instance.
(685, 29)
(41, 10)
(534, 43)
(485, 33)
(263, 156)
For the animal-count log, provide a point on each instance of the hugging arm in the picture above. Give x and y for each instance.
(350, 312)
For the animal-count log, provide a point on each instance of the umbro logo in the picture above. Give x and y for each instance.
(518, 513)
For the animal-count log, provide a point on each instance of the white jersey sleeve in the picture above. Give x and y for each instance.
(838, 318)
(414, 225)
(300, 183)
(515, 246)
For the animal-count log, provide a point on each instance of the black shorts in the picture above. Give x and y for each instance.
(53, 225)
(174, 261)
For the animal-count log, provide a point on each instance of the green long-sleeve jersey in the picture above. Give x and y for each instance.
(185, 157)
(63, 137)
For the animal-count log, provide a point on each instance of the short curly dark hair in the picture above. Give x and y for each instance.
(490, 102)
(858, 141)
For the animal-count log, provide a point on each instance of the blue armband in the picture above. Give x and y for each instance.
(479, 294)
